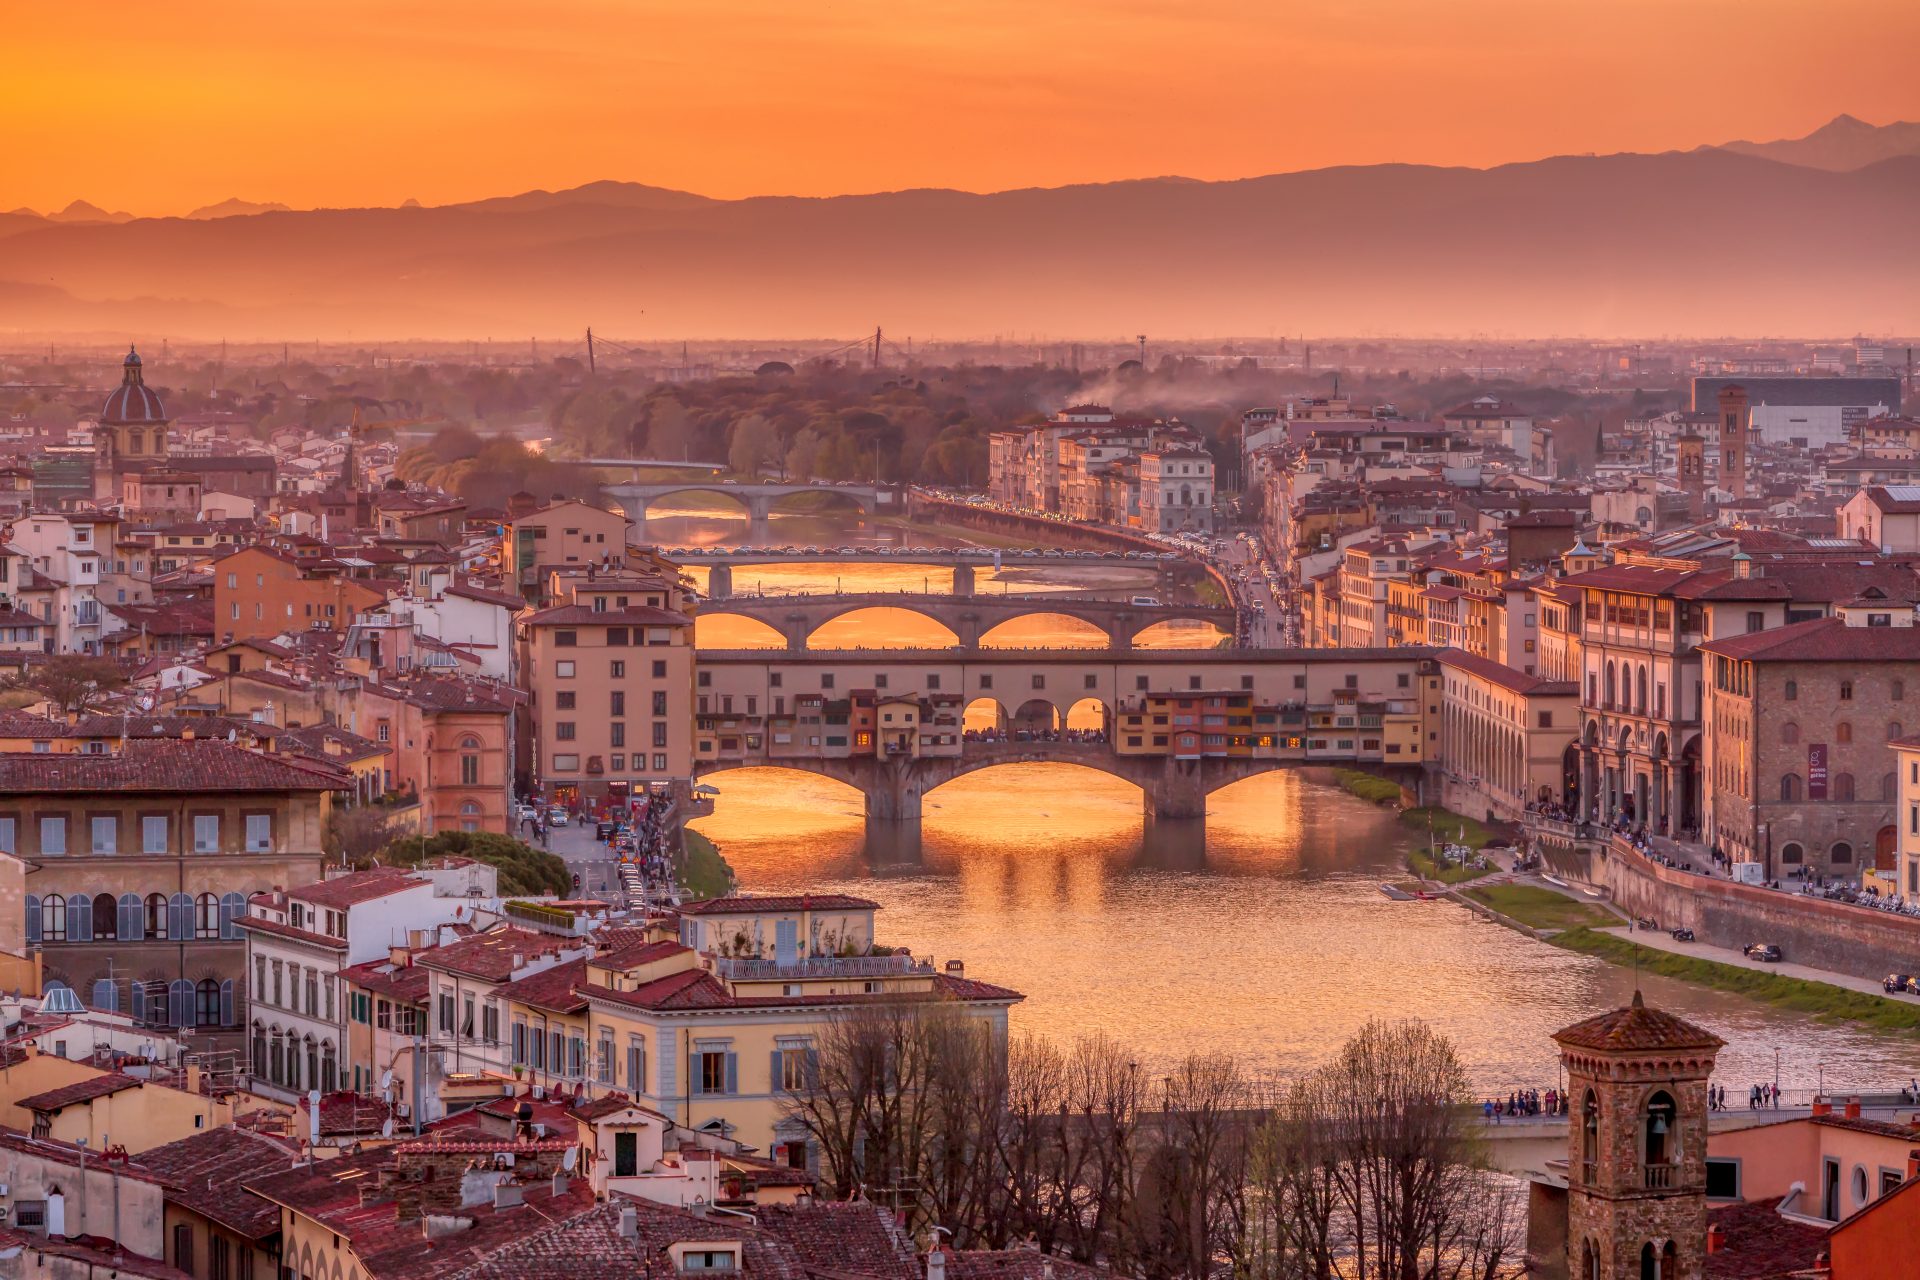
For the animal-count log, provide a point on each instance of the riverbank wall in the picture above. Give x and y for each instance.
(1811, 931)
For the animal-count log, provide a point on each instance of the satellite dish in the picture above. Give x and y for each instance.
(386, 1079)
(571, 1159)
(386, 1127)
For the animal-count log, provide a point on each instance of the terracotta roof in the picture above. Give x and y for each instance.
(1823, 640)
(1505, 676)
(356, 887)
(279, 929)
(1760, 1244)
(553, 989)
(199, 765)
(94, 1254)
(407, 983)
(344, 1113)
(490, 955)
(100, 1086)
(1636, 1028)
(207, 1170)
(778, 902)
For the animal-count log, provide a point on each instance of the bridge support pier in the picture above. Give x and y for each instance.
(1177, 793)
(720, 582)
(963, 580)
(759, 519)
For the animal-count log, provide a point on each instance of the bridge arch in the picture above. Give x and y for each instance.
(984, 714)
(1089, 715)
(1044, 629)
(1181, 632)
(664, 496)
(1035, 715)
(735, 631)
(894, 616)
(820, 498)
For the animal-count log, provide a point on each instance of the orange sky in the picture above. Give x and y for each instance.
(158, 108)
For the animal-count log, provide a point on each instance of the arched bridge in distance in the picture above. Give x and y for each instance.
(1327, 707)
(968, 617)
(758, 498)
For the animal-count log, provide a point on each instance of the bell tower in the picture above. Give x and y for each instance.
(1637, 1144)
(1734, 415)
(1690, 459)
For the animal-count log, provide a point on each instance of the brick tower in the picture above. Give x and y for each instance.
(1734, 417)
(1690, 459)
(1637, 1144)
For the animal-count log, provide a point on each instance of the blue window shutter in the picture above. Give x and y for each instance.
(132, 922)
(104, 996)
(226, 1003)
(733, 1073)
(33, 917)
(812, 1067)
(786, 943)
(669, 1062)
(179, 918)
(79, 918)
(773, 1073)
(232, 907)
(180, 1000)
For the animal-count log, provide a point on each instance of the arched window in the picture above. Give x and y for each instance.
(133, 921)
(53, 918)
(1610, 685)
(1589, 1137)
(1843, 786)
(206, 1003)
(106, 917)
(1589, 1262)
(232, 907)
(1640, 701)
(1843, 732)
(1842, 852)
(1789, 787)
(1889, 787)
(1895, 730)
(79, 918)
(469, 816)
(329, 1068)
(313, 1064)
(1791, 853)
(1662, 1143)
(276, 1067)
(156, 905)
(206, 916)
(258, 1065)
(106, 996)
(1789, 733)
(1792, 691)
(469, 761)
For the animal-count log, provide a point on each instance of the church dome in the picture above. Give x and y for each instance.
(132, 401)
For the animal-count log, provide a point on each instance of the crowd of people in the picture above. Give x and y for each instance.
(1525, 1103)
(1087, 736)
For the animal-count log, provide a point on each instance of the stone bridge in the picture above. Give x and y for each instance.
(758, 498)
(969, 617)
(896, 786)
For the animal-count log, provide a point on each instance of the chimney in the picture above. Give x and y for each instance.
(507, 1195)
(1822, 1107)
(629, 1222)
(936, 1264)
(1716, 1237)
(956, 968)
(1853, 1109)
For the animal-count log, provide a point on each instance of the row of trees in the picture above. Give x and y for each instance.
(1367, 1167)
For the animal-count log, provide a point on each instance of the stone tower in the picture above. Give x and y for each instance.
(1637, 1145)
(1733, 440)
(1690, 460)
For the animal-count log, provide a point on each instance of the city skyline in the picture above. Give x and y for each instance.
(751, 99)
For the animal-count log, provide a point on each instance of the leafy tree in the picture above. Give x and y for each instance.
(524, 870)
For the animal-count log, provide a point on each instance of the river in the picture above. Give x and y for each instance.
(1268, 935)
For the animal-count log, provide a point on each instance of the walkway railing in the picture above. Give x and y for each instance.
(822, 967)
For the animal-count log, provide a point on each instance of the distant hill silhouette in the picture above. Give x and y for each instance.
(1703, 242)
(1842, 144)
(235, 207)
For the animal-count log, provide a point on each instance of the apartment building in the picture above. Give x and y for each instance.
(1506, 737)
(259, 592)
(68, 556)
(141, 863)
(566, 533)
(611, 683)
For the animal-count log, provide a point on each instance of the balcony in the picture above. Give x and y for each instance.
(744, 967)
(1661, 1177)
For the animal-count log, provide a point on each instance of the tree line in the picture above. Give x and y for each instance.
(1367, 1167)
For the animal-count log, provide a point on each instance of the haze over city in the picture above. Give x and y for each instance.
(960, 640)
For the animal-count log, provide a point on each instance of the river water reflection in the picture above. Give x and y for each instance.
(1269, 936)
(1266, 934)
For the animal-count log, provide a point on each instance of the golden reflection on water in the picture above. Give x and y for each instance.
(1266, 933)
(903, 627)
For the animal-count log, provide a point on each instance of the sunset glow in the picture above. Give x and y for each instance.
(158, 110)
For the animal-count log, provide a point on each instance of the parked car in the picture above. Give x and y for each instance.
(1763, 951)
(1898, 983)
(1683, 935)
(557, 817)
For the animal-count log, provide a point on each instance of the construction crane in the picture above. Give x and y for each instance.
(357, 427)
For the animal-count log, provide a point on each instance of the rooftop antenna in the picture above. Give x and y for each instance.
(591, 366)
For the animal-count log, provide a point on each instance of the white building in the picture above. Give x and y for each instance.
(71, 552)
(299, 940)
(1176, 491)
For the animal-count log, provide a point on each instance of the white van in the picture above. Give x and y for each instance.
(1150, 601)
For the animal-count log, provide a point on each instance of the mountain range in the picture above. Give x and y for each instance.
(1803, 236)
